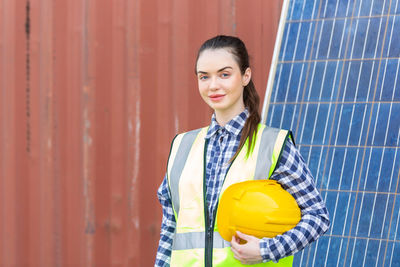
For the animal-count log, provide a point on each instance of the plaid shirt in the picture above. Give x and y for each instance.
(292, 173)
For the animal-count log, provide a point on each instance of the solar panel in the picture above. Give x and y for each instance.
(335, 82)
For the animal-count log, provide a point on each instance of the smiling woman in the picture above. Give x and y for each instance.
(234, 148)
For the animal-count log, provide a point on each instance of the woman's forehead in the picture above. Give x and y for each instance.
(215, 59)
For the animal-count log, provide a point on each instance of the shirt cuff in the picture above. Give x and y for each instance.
(265, 251)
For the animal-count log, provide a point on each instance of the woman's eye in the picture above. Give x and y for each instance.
(203, 77)
(225, 75)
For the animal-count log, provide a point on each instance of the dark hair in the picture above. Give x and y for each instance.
(250, 97)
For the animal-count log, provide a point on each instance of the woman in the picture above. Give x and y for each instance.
(203, 162)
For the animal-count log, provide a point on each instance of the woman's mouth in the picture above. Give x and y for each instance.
(216, 97)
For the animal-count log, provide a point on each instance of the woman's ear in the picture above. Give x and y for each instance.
(246, 77)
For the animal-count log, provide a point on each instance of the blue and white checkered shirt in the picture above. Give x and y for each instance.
(292, 173)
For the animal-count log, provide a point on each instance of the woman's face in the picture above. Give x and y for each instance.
(221, 82)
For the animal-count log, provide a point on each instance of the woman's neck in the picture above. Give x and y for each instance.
(224, 117)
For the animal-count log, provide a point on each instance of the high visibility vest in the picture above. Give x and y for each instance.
(195, 242)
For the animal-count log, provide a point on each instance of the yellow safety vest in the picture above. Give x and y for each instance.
(196, 243)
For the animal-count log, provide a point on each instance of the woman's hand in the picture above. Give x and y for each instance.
(248, 253)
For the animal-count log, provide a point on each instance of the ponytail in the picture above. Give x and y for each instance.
(249, 131)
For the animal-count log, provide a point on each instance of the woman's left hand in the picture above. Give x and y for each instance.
(248, 253)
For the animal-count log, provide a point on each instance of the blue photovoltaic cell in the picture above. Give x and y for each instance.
(302, 10)
(337, 87)
(336, 9)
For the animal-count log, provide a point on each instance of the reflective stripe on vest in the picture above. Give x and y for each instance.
(185, 174)
(196, 240)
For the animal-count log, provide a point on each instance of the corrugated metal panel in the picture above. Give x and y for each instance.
(92, 92)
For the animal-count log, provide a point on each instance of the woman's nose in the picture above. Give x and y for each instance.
(213, 83)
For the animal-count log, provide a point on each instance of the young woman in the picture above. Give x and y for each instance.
(203, 162)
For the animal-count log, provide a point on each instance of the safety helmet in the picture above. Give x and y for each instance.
(261, 208)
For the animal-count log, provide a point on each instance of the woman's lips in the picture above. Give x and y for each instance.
(216, 98)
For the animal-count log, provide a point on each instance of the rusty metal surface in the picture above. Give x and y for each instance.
(91, 94)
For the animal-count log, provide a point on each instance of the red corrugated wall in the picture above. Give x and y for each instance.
(91, 94)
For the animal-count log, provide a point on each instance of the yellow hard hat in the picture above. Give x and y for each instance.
(261, 208)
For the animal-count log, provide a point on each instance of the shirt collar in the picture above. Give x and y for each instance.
(234, 126)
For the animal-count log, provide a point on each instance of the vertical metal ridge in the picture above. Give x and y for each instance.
(275, 59)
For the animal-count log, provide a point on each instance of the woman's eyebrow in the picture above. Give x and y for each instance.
(204, 72)
(227, 67)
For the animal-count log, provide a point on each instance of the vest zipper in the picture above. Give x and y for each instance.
(208, 230)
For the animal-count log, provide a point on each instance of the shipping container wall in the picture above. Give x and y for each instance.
(91, 94)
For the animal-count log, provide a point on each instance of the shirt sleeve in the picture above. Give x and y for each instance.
(295, 177)
(168, 226)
